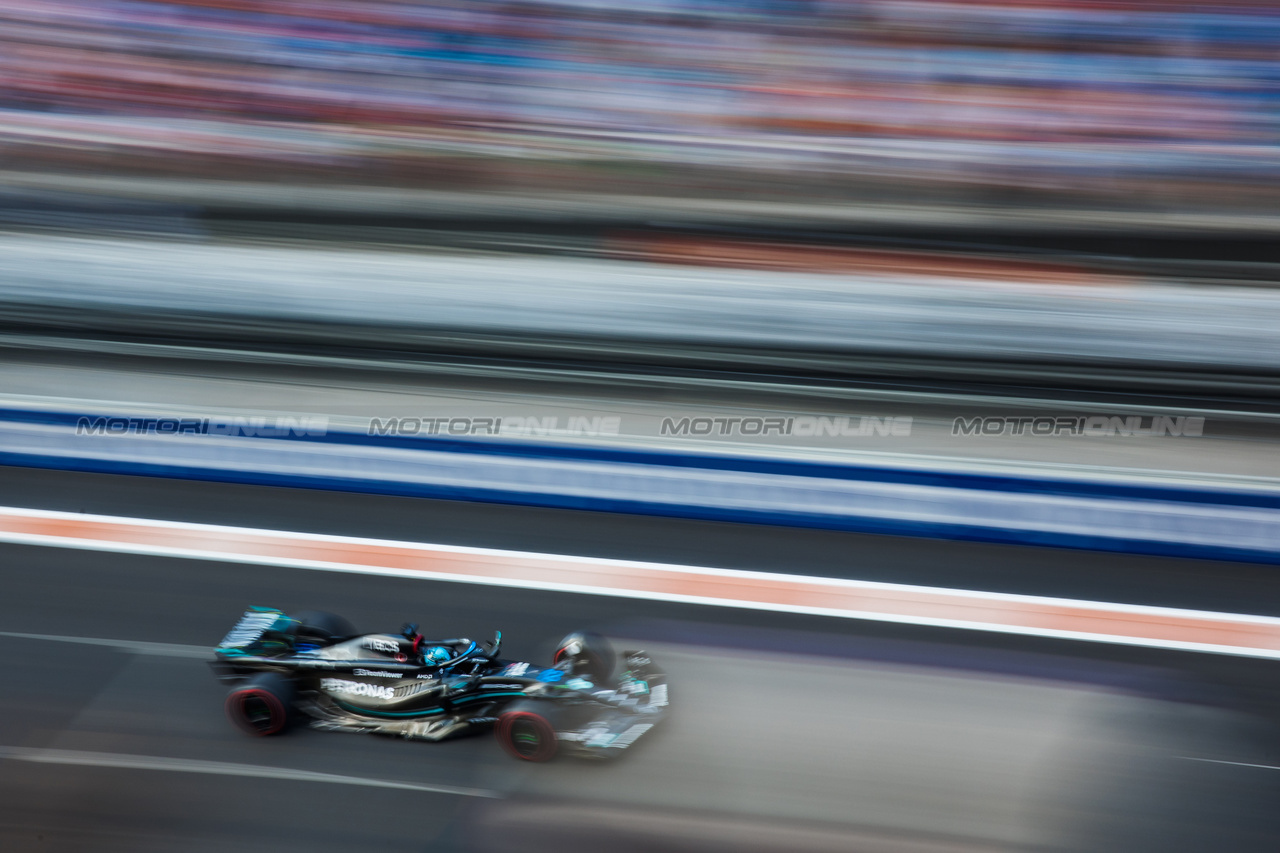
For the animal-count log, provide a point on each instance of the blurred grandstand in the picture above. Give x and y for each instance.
(1062, 103)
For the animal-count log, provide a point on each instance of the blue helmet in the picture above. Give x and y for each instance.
(436, 655)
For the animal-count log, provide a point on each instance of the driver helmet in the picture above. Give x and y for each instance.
(436, 655)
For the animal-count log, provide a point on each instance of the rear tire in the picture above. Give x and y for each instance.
(263, 705)
(322, 627)
(589, 655)
(526, 732)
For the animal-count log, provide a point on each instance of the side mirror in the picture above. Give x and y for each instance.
(496, 645)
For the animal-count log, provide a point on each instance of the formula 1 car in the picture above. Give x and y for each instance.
(315, 665)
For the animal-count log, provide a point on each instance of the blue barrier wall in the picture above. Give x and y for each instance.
(1102, 514)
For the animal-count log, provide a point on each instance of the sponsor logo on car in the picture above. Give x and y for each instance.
(376, 673)
(355, 688)
(377, 645)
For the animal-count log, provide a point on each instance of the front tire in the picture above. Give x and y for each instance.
(263, 705)
(526, 731)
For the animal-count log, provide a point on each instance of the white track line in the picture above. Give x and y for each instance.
(170, 650)
(428, 548)
(1232, 763)
(1025, 615)
(221, 768)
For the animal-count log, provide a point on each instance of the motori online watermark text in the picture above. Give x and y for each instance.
(259, 427)
(804, 426)
(1081, 425)
(512, 425)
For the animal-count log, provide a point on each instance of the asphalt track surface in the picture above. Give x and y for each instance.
(121, 745)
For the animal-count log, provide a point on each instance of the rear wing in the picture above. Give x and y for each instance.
(254, 629)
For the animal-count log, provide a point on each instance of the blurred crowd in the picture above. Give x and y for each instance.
(1065, 85)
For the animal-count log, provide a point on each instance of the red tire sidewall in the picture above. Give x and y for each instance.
(235, 710)
(546, 749)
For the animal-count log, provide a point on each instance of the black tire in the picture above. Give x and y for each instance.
(527, 731)
(322, 627)
(588, 654)
(263, 705)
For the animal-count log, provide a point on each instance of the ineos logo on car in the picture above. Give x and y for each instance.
(355, 688)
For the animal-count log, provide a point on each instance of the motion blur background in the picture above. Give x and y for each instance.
(905, 226)
(1163, 106)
